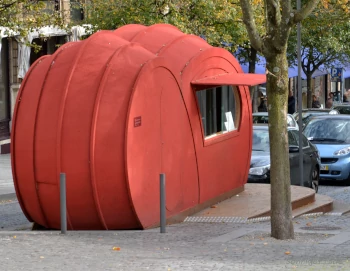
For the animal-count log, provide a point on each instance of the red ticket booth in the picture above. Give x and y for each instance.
(114, 111)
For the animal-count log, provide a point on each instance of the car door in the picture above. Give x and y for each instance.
(307, 158)
(308, 164)
(293, 159)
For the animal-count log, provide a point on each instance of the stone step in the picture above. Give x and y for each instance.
(300, 196)
(322, 204)
(339, 208)
(254, 202)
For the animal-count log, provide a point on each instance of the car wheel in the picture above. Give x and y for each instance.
(315, 179)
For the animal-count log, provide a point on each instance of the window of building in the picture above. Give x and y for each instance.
(76, 11)
(50, 6)
(48, 46)
(14, 62)
(220, 110)
(4, 89)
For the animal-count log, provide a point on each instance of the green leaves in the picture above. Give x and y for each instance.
(325, 34)
(216, 20)
(24, 15)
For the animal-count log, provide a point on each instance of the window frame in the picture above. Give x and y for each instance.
(295, 134)
(237, 94)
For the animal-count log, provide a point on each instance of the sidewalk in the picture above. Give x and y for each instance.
(322, 242)
(7, 189)
(184, 247)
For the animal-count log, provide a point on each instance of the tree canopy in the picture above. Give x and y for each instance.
(325, 40)
(217, 21)
(22, 16)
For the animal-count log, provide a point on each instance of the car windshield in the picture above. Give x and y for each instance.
(290, 121)
(328, 130)
(265, 119)
(308, 114)
(260, 119)
(343, 109)
(261, 140)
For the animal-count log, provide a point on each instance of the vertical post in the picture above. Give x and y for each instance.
(63, 203)
(300, 103)
(342, 86)
(162, 203)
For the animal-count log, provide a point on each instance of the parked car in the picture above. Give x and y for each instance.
(343, 108)
(310, 112)
(331, 135)
(263, 117)
(260, 161)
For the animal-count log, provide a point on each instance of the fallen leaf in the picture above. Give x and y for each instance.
(116, 248)
(42, 257)
(287, 252)
(214, 206)
(308, 224)
(261, 238)
(265, 244)
(15, 236)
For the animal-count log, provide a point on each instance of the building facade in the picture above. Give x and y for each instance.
(16, 58)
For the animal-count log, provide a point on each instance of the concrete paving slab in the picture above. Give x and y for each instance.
(7, 189)
(231, 235)
(338, 239)
(339, 208)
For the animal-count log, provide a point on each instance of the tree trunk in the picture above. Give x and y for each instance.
(309, 90)
(253, 89)
(277, 93)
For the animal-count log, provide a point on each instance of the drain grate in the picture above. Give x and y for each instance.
(216, 219)
(224, 219)
(321, 228)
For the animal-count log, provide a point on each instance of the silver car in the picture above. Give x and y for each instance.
(263, 117)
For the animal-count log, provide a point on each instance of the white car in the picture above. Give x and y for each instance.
(263, 117)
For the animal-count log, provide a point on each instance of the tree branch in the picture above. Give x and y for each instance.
(305, 11)
(5, 6)
(248, 20)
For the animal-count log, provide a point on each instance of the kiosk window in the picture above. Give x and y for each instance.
(219, 108)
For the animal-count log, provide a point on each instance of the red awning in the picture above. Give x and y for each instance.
(236, 79)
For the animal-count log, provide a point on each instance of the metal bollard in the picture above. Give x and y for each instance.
(162, 204)
(63, 203)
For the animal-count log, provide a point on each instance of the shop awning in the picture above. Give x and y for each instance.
(236, 79)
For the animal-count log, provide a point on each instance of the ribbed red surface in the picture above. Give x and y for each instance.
(113, 112)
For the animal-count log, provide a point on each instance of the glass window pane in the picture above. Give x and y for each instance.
(304, 139)
(219, 109)
(305, 142)
(292, 140)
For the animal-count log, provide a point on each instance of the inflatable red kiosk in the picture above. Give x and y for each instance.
(114, 111)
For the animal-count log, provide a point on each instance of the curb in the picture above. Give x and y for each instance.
(8, 196)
